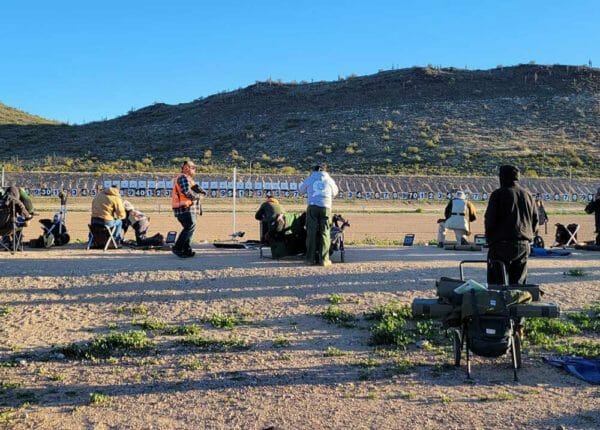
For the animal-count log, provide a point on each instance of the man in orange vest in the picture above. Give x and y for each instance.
(185, 195)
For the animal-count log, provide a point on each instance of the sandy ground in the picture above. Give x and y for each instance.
(69, 294)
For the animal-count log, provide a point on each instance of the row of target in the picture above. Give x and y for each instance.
(348, 195)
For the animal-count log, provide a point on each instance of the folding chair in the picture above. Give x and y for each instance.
(572, 229)
(12, 239)
(566, 235)
(11, 236)
(101, 236)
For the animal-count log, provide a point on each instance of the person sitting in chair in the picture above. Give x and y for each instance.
(107, 209)
(266, 213)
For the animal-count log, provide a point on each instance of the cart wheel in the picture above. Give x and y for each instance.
(456, 347)
(517, 358)
(64, 238)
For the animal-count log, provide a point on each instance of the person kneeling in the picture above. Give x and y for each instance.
(140, 224)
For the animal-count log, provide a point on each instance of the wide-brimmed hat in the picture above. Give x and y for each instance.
(127, 205)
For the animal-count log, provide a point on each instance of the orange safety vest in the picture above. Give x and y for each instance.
(180, 200)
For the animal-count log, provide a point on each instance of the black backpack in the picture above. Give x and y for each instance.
(489, 326)
(156, 240)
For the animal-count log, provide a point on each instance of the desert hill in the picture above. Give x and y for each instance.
(545, 119)
(12, 116)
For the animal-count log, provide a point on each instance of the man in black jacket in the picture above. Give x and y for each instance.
(510, 222)
(593, 207)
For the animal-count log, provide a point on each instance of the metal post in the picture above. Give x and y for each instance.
(234, 196)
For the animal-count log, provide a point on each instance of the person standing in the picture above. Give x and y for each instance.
(107, 209)
(511, 219)
(459, 214)
(593, 207)
(184, 197)
(321, 189)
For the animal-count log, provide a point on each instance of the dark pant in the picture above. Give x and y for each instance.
(188, 222)
(141, 229)
(318, 224)
(514, 256)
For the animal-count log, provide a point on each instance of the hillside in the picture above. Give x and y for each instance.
(545, 119)
(9, 115)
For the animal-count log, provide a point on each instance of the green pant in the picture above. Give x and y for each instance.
(318, 224)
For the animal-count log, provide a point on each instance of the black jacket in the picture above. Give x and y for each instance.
(511, 214)
(594, 207)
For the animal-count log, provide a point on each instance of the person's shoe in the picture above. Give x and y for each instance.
(180, 254)
(326, 263)
(189, 253)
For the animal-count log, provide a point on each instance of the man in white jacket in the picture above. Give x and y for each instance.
(320, 189)
(459, 214)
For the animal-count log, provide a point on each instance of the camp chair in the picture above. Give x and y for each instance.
(572, 230)
(566, 235)
(12, 236)
(11, 233)
(101, 237)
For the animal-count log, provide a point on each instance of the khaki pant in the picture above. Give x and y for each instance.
(318, 224)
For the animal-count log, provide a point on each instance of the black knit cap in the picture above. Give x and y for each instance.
(318, 168)
(509, 173)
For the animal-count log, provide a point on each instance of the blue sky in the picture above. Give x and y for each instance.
(79, 61)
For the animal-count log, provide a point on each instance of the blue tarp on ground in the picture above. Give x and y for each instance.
(543, 252)
(587, 369)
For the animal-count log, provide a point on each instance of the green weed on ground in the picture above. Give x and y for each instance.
(108, 345)
(393, 308)
(395, 325)
(334, 352)
(588, 319)
(281, 342)
(335, 299)
(215, 344)
(99, 399)
(162, 327)
(553, 334)
(227, 321)
(336, 315)
(140, 309)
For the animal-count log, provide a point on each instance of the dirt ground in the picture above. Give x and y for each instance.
(283, 379)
